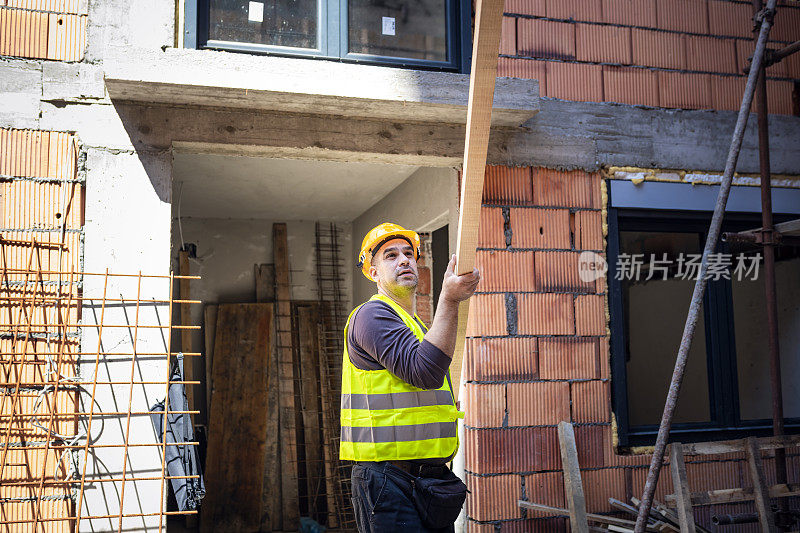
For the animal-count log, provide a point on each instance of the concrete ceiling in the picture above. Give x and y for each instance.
(226, 186)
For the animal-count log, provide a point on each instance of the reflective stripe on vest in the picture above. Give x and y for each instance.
(397, 400)
(384, 418)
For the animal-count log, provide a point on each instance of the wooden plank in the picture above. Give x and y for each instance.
(738, 445)
(235, 457)
(715, 497)
(573, 487)
(186, 334)
(286, 381)
(209, 332)
(307, 319)
(681, 484)
(603, 519)
(765, 516)
(660, 510)
(271, 505)
(265, 282)
(485, 48)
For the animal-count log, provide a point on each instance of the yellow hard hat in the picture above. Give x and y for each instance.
(380, 235)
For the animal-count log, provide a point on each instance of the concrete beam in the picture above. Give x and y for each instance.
(283, 134)
(588, 135)
(21, 87)
(563, 135)
(252, 82)
(77, 82)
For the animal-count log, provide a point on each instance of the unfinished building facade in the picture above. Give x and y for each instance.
(185, 185)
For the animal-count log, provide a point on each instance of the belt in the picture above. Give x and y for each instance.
(418, 469)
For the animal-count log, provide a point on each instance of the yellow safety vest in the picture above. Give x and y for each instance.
(386, 419)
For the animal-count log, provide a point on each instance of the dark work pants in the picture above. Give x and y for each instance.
(382, 500)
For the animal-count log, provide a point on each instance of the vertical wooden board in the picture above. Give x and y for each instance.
(485, 48)
(573, 487)
(235, 457)
(308, 318)
(765, 517)
(271, 496)
(286, 378)
(680, 482)
(265, 282)
(457, 364)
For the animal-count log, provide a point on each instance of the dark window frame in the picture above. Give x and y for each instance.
(332, 34)
(720, 340)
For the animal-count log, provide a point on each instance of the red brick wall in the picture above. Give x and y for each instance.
(537, 353)
(664, 53)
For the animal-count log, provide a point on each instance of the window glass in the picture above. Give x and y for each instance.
(752, 348)
(655, 312)
(291, 23)
(413, 29)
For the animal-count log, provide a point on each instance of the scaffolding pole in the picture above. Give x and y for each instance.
(765, 18)
(768, 245)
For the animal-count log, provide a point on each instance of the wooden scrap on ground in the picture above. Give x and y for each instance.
(765, 516)
(573, 487)
(681, 487)
(602, 519)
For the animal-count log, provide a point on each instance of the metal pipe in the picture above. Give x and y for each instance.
(700, 284)
(731, 519)
(787, 50)
(776, 56)
(768, 245)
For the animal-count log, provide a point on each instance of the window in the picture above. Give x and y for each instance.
(412, 33)
(726, 389)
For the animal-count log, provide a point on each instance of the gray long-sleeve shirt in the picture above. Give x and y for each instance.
(378, 338)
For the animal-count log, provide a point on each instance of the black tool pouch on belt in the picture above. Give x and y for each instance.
(439, 500)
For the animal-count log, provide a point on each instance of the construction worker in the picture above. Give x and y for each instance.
(399, 416)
